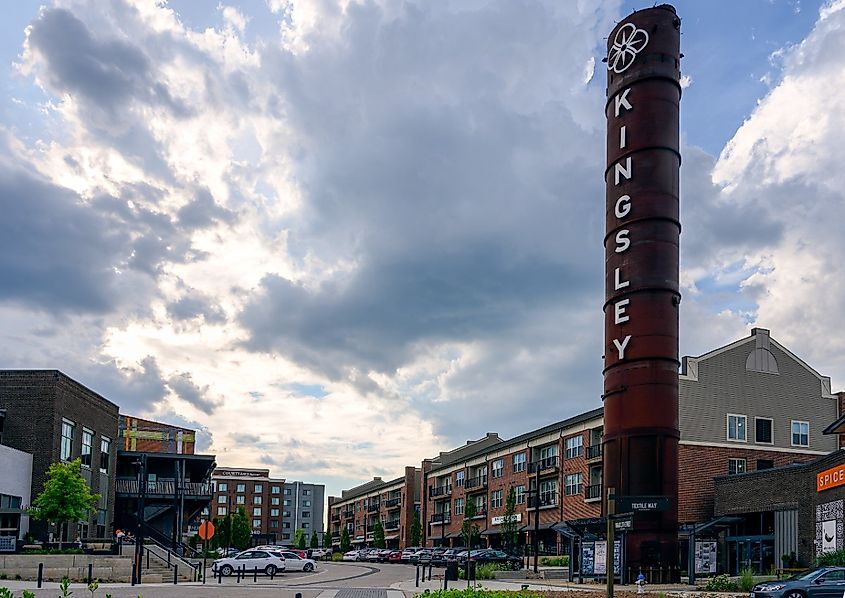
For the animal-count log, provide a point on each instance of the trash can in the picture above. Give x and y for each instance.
(471, 570)
(452, 570)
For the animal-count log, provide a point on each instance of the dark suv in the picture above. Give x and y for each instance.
(821, 582)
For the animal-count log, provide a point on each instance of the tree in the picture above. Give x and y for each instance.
(469, 530)
(345, 543)
(378, 534)
(509, 531)
(241, 532)
(299, 539)
(328, 539)
(66, 496)
(224, 531)
(416, 530)
(315, 541)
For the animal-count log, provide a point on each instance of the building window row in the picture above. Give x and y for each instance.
(737, 430)
(86, 454)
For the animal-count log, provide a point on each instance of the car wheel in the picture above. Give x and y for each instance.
(794, 594)
(308, 567)
(226, 570)
(270, 570)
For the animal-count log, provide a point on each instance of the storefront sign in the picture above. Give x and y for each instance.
(500, 519)
(643, 503)
(830, 478)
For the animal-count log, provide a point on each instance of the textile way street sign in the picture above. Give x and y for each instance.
(642, 503)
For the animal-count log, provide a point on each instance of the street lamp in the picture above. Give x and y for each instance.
(535, 543)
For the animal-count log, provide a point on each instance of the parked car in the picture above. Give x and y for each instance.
(395, 556)
(373, 556)
(408, 553)
(294, 562)
(319, 553)
(352, 555)
(227, 552)
(270, 562)
(422, 556)
(498, 557)
(812, 583)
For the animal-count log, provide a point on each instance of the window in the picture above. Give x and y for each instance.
(287, 502)
(274, 500)
(306, 492)
(274, 512)
(221, 500)
(765, 464)
(800, 433)
(574, 446)
(67, 439)
(573, 484)
(520, 494)
(285, 536)
(259, 488)
(763, 430)
(87, 441)
(519, 462)
(256, 511)
(306, 525)
(306, 514)
(105, 454)
(274, 524)
(287, 491)
(256, 523)
(496, 499)
(736, 466)
(287, 514)
(459, 506)
(221, 511)
(256, 500)
(286, 524)
(275, 489)
(240, 500)
(480, 503)
(737, 427)
(497, 469)
(548, 491)
(459, 478)
(223, 487)
(240, 488)
(307, 503)
(205, 511)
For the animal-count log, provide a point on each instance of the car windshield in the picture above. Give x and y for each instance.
(802, 575)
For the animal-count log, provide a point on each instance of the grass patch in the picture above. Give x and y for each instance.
(480, 593)
(555, 561)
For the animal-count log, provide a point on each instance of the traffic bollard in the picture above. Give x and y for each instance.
(254, 574)
(40, 573)
(175, 574)
(240, 573)
(418, 577)
(90, 573)
(429, 571)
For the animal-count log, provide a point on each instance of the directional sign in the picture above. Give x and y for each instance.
(642, 503)
(624, 524)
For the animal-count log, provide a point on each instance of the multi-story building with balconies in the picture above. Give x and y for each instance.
(258, 494)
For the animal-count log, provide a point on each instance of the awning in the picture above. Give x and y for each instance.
(547, 525)
(452, 535)
(491, 532)
(393, 537)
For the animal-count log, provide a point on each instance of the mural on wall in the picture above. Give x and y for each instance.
(829, 526)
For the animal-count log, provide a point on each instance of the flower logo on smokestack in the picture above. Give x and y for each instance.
(629, 42)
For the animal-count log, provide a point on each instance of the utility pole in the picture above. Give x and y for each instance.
(611, 551)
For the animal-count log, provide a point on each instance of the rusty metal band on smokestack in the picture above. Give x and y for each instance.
(641, 275)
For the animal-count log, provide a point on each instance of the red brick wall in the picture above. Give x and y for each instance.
(698, 465)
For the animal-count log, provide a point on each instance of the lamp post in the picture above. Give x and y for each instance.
(142, 491)
(535, 542)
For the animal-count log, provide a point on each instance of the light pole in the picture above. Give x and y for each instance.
(535, 541)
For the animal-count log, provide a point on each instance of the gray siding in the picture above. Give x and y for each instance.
(724, 385)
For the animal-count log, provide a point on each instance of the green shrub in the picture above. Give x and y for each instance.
(555, 561)
(720, 583)
(481, 593)
(835, 558)
(746, 579)
(337, 556)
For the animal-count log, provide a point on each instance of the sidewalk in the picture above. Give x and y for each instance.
(539, 585)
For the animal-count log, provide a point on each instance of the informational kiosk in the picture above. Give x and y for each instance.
(641, 279)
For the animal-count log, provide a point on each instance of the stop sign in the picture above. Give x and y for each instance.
(206, 530)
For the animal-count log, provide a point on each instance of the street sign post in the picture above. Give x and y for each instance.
(206, 532)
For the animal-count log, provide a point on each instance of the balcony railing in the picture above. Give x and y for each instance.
(163, 487)
(336, 518)
(372, 508)
(476, 482)
(592, 491)
(393, 503)
(545, 464)
(391, 524)
(480, 512)
(546, 500)
(441, 517)
(593, 451)
(435, 491)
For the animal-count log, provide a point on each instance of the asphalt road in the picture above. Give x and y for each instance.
(331, 580)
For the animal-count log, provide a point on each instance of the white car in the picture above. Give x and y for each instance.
(352, 555)
(318, 553)
(294, 562)
(249, 560)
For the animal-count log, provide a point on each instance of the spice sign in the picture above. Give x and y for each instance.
(830, 478)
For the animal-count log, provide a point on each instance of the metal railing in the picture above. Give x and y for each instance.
(165, 487)
(594, 451)
(392, 503)
(480, 512)
(592, 491)
(546, 500)
(476, 482)
(434, 491)
(391, 524)
(441, 517)
(373, 507)
(544, 464)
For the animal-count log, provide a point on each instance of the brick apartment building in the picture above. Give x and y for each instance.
(392, 503)
(55, 418)
(256, 492)
(750, 405)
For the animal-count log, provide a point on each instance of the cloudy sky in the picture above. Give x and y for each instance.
(338, 236)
